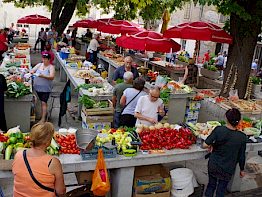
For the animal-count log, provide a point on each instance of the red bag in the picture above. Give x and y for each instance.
(99, 187)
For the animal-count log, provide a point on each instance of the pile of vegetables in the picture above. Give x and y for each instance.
(86, 101)
(87, 86)
(123, 139)
(68, 144)
(164, 95)
(166, 138)
(17, 89)
(243, 124)
(119, 81)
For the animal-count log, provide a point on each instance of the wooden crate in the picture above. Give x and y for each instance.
(5, 164)
(95, 119)
(100, 111)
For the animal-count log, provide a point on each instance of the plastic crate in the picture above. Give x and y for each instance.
(64, 55)
(198, 191)
(92, 154)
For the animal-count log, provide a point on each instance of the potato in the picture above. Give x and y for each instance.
(166, 125)
(152, 127)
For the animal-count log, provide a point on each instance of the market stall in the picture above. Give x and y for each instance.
(81, 46)
(18, 106)
(120, 162)
(77, 76)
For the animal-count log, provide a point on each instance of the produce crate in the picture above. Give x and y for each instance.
(100, 111)
(96, 126)
(5, 164)
(92, 154)
(96, 119)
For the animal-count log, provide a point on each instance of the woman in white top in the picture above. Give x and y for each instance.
(129, 100)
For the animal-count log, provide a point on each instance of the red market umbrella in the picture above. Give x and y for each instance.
(121, 26)
(147, 41)
(34, 19)
(199, 31)
(99, 23)
(83, 23)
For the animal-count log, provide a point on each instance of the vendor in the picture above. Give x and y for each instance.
(3, 43)
(119, 72)
(64, 39)
(191, 73)
(93, 48)
(88, 34)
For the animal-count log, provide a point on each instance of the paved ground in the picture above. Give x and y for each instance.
(252, 180)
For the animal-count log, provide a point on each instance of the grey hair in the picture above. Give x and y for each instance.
(128, 57)
(155, 88)
(128, 75)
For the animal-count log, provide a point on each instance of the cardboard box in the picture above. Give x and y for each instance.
(193, 105)
(191, 114)
(162, 194)
(154, 178)
(84, 178)
(96, 126)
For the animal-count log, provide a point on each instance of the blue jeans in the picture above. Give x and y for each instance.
(117, 119)
(212, 186)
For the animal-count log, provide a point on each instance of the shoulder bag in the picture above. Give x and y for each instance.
(33, 177)
(129, 102)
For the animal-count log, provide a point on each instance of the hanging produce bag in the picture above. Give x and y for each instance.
(100, 180)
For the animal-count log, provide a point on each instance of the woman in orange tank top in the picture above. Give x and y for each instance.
(46, 169)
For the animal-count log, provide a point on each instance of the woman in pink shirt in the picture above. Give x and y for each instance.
(48, 50)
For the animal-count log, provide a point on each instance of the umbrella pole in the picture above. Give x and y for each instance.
(35, 34)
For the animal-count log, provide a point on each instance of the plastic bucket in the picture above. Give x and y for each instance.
(64, 55)
(182, 182)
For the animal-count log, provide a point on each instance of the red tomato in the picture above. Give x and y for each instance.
(72, 152)
(69, 146)
(59, 141)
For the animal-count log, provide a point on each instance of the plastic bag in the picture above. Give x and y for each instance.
(233, 95)
(99, 187)
(161, 80)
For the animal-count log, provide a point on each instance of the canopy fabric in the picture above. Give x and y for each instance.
(121, 26)
(199, 31)
(147, 41)
(99, 23)
(165, 19)
(84, 23)
(34, 19)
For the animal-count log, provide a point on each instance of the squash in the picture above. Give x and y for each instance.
(151, 128)
(160, 125)
(166, 125)
(140, 126)
(138, 130)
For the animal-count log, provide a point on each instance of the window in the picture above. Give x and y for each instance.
(223, 19)
(187, 11)
(183, 44)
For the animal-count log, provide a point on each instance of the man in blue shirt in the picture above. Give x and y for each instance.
(254, 67)
(119, 72)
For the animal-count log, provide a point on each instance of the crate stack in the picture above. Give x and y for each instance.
(98, 118)
(192, 111)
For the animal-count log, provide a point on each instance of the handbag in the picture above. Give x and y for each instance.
(33, 177)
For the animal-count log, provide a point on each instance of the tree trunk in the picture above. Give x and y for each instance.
(56, 10)
(245, 34)
(65, 16)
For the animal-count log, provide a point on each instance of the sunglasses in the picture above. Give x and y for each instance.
(45, 55)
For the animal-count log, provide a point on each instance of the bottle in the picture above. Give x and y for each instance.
(199, 142)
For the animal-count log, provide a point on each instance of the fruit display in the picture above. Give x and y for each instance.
(85, 74)
(67, 144)
(116, 58)
(243, 124)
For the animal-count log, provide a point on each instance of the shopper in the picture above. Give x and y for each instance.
(191, 73)
(46, 169)
(129, 101)
(93, 49)
(73, 37)
(3, 90)
(52, 35)
(119, 72)
(40, 39)
(3, 43)
(227, 146)
(254, 67)
(45, 35)
(45, 73)
(48, 50)
(149, 107)
(206, 57)
(68, 36)
(117, 94)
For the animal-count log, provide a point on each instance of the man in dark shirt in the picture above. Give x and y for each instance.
(119, 72)
(73, 37)
(117, 94)
(3, 90)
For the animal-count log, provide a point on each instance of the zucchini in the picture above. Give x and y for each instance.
(54, 145)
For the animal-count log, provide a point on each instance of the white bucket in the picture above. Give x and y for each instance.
(182, 182)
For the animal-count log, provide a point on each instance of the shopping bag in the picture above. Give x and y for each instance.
(100, 180)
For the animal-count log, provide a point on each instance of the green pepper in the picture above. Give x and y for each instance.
(19, 135)
(12, 140)
(12, 135)
(20, 140)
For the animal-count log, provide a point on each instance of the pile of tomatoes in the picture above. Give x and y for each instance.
(167, 138)
(68, 145)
